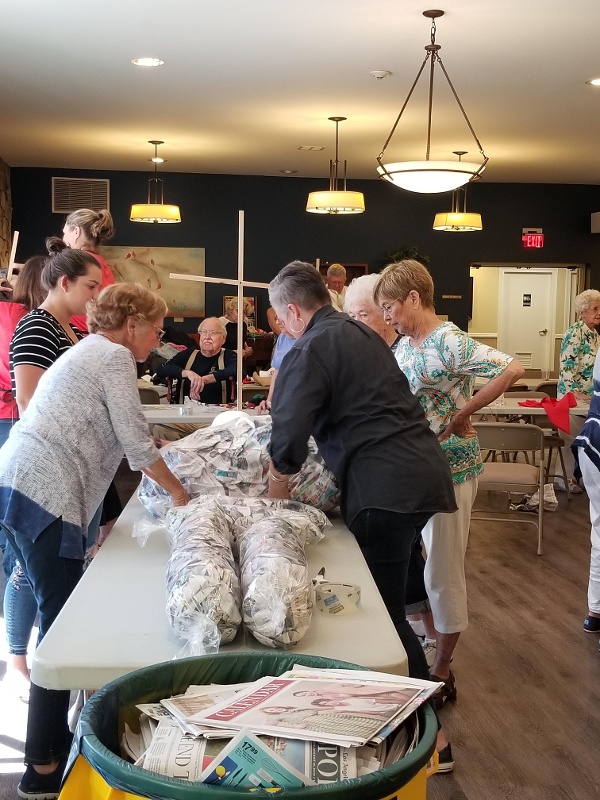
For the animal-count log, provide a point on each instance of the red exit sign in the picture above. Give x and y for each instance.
(533, 239)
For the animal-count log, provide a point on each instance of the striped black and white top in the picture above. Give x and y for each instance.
(39, 340)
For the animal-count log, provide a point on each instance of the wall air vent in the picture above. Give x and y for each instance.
(69, 194)
(525, 359)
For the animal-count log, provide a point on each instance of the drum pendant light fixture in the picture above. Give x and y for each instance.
(428, 176)
(155, 210)
(337, 200)
(458, 220)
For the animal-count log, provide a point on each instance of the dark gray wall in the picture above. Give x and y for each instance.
(278, 229)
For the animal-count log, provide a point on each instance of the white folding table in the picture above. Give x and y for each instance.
(115, 620)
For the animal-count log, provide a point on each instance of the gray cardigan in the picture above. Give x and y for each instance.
(62, 455)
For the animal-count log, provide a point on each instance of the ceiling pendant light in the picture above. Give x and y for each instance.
(458, 219)
(337, 200)
(155, 209)
(428, 177)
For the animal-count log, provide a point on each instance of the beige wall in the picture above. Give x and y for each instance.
(5, 214)
(485, 303)
(486, 282)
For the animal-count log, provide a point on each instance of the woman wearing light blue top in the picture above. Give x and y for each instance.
(283, 345)
(55, 469)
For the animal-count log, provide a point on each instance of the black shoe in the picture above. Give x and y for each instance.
(446, 693)
(445, 760)
(34, 786)
(591, 624)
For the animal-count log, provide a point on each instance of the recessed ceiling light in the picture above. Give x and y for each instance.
(288, 171)
(147, 62)
(157, 160)
(594, 82)
(311, 147)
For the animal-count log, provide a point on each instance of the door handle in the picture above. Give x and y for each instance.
(543, 332)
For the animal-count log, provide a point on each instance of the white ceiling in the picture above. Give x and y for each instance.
(247, 82)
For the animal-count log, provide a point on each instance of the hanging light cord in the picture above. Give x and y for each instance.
(433, 54)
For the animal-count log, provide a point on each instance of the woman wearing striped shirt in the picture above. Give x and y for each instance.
(72, 278)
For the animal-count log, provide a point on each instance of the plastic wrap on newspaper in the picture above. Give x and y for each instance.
(202, 582)
(232, 459)
(242, 512)
(277, 593)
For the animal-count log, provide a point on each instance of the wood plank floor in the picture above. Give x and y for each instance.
(526, 723)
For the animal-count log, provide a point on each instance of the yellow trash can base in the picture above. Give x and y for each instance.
(84, 783)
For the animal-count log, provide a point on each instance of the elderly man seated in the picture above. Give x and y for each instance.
(206, 374)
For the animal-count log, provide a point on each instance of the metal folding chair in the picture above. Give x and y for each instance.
(512, 477)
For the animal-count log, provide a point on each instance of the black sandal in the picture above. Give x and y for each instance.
(446, 693)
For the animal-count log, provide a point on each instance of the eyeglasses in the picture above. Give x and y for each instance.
(387, 308)
(211, 333)
(159, 332)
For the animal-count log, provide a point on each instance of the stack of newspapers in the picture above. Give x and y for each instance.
(302, 728)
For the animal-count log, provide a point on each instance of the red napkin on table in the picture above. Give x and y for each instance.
(557, 411)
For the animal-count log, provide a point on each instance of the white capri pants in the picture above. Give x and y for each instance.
(591, 479)
(445, 537)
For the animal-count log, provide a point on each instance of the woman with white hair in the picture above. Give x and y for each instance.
(577, 356)
(360, 305)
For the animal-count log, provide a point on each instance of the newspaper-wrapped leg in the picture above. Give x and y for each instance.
(276, 587)
(233, 460)
(242, 512)
(202, 583)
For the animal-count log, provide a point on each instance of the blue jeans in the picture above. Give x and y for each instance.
(386, 539)
(20, 608)
(53, 578)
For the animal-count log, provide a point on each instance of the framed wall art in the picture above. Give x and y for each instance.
(151, 267)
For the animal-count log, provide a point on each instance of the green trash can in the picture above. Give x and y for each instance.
(105, 714)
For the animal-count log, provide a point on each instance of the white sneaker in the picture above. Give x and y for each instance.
(429, 648)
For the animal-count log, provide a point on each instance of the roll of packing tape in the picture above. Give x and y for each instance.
(336, 598)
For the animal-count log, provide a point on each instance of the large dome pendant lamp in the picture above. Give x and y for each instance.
(428, 176)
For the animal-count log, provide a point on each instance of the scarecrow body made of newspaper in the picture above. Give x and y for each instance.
(232, 459)
(203, 589)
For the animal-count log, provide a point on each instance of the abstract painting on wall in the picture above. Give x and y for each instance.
(151, 267)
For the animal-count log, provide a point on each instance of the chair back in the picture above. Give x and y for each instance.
(510, 437)
(149, 396)
(511, 477)
(549, 387)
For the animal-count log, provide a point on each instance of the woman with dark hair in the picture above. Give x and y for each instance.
(85, 229)
(27, 295)
(72, 278)
(56, 467)
(69, 279)
(20, 607)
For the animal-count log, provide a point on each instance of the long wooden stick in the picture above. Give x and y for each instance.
(13, 253)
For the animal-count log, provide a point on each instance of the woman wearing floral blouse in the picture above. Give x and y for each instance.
(577, 355)
(441, 363)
